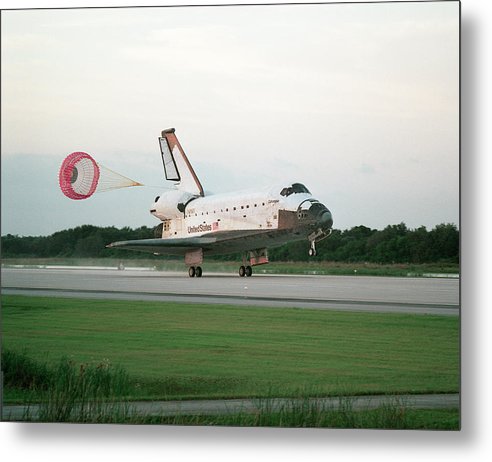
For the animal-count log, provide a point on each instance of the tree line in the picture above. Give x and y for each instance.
(393, 244)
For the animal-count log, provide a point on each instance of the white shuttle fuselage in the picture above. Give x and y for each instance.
(250, 221)
(243, 210)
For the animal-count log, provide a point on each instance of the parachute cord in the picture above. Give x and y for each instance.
(159, 187)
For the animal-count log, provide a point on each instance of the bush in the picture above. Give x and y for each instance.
(22, 372)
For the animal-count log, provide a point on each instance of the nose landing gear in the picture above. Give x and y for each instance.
(314, 237)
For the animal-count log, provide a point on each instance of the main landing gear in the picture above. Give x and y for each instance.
(195, 271)
(245, 271)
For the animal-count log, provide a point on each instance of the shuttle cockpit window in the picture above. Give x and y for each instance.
(296, 188)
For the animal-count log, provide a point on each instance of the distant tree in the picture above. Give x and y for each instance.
(444, 243)
(89, 246)
(419, 249)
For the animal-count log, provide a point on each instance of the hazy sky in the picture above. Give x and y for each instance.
(359, 102)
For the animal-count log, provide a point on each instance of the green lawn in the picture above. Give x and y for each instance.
(174, 350)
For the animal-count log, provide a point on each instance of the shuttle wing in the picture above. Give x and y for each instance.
(166, 246)
(177, 167)
(222, 242)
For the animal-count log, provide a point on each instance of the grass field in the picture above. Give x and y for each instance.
(173, 351)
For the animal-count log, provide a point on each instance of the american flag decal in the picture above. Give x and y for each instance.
(215, 226)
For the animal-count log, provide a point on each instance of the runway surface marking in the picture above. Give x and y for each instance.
(331, 305)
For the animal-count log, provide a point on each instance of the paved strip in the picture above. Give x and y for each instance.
(356, 293)
(235, 406)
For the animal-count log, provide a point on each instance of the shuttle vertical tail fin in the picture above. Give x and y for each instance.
(177, 167)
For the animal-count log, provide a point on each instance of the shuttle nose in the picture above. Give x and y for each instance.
(326, 220)
(321, 215)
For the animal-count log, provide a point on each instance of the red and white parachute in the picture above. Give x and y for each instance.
(81, 176)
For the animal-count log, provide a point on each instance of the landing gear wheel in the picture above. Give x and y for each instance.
(249, 271)
(312, 252)
(198, 271)
(242, 271)
(191, 271)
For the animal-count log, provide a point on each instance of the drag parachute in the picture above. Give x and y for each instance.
(81, 176)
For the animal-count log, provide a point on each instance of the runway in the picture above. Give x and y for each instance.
(234, 406)
(438, 296)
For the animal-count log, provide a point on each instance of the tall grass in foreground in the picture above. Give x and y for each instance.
(69, 392)
(98, 393)
(309, 413)
(85, 392)
(306, 413)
